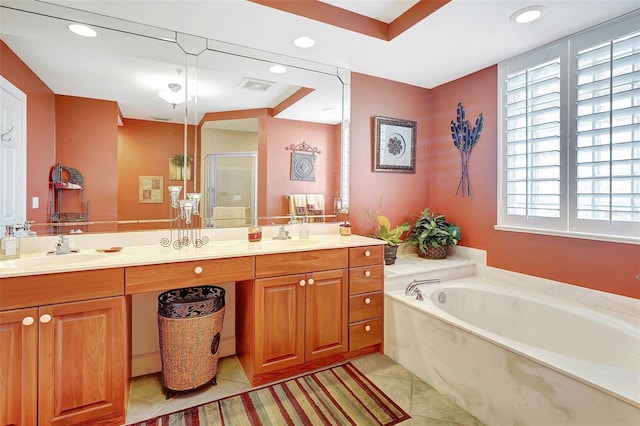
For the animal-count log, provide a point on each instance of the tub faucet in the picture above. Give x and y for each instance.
(412, 288)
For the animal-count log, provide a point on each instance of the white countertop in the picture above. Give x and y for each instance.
(37, 262)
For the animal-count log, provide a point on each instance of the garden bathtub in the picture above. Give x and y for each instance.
(514, 356)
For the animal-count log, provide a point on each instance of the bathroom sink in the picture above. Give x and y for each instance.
(50, 261)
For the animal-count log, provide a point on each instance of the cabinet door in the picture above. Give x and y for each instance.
(279, 322)
(326, 314)
(18, 367)
(81, 357)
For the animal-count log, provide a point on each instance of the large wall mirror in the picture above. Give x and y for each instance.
(136, 109)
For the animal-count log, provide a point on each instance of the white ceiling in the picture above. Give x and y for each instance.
(462, 37)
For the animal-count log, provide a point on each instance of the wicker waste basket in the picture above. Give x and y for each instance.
(189, 325)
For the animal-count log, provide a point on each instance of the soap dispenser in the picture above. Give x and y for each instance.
(9, 245)
(304, 229)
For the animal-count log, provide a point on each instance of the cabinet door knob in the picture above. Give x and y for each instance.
(45, 318)
(367, 253)
(302, 283)
(367, 273)
(311, 281)
(198, 270)
(27, 321)
(367, 328)
(367, 301)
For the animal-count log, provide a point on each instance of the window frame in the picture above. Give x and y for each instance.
(567, 224)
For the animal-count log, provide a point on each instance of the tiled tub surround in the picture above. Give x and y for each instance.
(514, 349)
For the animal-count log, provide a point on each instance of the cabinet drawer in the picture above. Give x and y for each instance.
(367, 255)
(47, 289)
(365, 279)
(271, 265)
(365, 306)
(365, 333)
(167, 276)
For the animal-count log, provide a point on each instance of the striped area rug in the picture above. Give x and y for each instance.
(337, 396)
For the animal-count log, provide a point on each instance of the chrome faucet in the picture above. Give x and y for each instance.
(62, 246)
(283, 234)
(412, 288)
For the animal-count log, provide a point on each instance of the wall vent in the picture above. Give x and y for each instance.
(255, 84)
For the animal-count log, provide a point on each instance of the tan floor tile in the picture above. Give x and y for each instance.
(382, 365)
(399, 390)
(428, 403)
(229, 368)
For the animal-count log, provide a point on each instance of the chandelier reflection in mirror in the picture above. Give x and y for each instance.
(185, 220)
(184, 213)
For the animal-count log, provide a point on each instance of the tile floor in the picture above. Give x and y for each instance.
(425, 405)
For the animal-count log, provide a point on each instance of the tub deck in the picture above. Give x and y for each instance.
(571, 388)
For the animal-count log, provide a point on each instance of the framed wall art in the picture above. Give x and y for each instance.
(303, 161)
(150, 189)
(177, 170)
(394, 145)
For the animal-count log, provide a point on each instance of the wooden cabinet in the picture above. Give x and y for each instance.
(294, 314)
(19, 366)
(300, 318)
(366, 278)
(64, 362)
(168, 276)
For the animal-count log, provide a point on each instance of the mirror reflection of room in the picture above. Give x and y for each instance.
(138, 117)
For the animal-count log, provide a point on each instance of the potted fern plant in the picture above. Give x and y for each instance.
(432, 234)
(392, 236)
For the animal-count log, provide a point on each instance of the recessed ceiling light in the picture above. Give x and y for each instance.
(304, 42)
(278, 69)
(328, 110)
(82, 30)
(528, 14)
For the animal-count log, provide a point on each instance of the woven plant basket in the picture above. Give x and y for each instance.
(190, 322)
(434, 252)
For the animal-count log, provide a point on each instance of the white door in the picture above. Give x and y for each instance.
(13, 155)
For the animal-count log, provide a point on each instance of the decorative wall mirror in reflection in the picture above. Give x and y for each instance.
(100, 105)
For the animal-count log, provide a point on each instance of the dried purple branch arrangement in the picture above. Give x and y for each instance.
(465, 138)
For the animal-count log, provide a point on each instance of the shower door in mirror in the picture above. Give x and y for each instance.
(231, 189)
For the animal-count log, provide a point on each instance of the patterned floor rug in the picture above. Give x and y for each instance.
(340, 395)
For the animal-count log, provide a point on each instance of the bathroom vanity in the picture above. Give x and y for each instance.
(66, 327)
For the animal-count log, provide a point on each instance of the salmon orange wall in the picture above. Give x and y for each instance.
(604, 266)
(87, 140)
(144, 149)
(40, 129)
(598, 265)
(280, 134)
(403, 194)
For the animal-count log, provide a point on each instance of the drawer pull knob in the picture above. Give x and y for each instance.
(302, 283)
(367, 301)
(367, 273)
(27, 321)
(311, 281)
(198, 270)
(367, 253)
(45, 318)
(367, 328)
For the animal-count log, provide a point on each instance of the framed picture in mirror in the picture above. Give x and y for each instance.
(394, 145)
(150, 190)
(179, 169)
